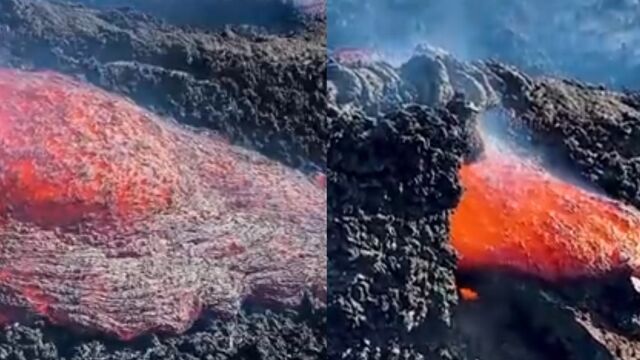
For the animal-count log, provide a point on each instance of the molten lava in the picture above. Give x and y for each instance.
(468, 294)
(515, 215)
(115, 220)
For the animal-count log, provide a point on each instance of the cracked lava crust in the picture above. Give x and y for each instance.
(114, 220)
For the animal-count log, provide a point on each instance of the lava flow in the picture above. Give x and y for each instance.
(114, 220)
(515, 215)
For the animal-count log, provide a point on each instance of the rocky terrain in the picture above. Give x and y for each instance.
(581, 132)
(258, 82)
(594, 40)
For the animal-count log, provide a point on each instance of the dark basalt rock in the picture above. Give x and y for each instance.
(277, 16)
(250, 336)
(392, 182)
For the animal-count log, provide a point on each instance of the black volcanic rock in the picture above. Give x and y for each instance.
(392, 182)
(250, 336)
(277, 16)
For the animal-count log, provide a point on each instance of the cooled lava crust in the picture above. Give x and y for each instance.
(390, 266)
(115, 220)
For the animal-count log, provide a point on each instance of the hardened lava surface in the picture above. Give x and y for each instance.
(514, 214)
(390, 267)
(114, 220)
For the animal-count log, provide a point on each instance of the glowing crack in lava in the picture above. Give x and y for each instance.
(515, 215)
(114, 220)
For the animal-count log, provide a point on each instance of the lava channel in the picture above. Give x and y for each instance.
(514, 215)
(114, 220)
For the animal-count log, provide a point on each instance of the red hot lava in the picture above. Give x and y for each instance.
(114, 220)
(515, 215)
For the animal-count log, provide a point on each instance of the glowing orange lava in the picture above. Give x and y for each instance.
(115, 220)
(515, 215)
(82, 178)
(468, 294)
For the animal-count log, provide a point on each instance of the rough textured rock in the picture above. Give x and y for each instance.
(276, 16)
(430, 77)
(392, 182)
(249, 336)
(446, 75)
(374, 87)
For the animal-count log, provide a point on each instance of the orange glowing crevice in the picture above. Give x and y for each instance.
(468, 294)
(515, 215)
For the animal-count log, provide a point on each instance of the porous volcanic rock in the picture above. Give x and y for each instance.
(275, 16)
(392, 182)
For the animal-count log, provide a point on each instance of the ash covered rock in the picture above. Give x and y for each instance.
(262, 91)
(596, 40)
(430, 77)
(376, 87)
(437, 75)
(392, 181)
